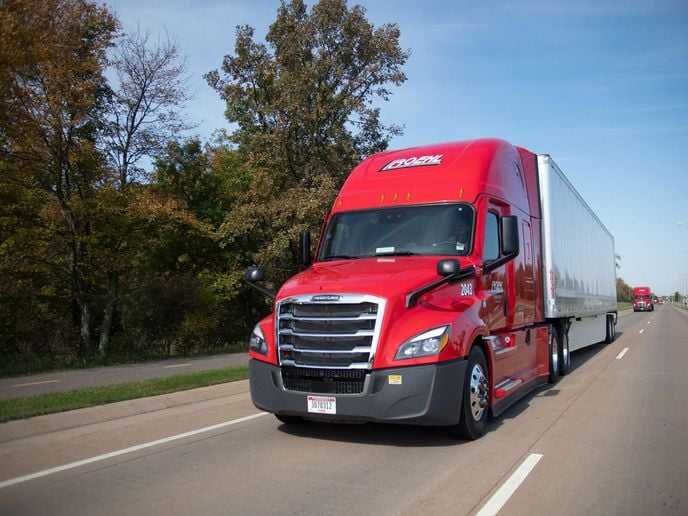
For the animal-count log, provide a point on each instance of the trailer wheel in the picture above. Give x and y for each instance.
(475, 397)
(553, 345)
(611, 330)
(564, 354)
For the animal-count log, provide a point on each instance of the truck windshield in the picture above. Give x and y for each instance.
(423, 230)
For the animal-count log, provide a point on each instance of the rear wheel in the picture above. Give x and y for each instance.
(611, 330)
(553, 345)
(564, 355)
(475, 397)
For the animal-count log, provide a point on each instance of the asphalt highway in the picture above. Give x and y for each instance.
(609, 438)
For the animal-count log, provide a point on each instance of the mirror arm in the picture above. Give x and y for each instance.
(488, 267)
(266, 292)
(413, 297)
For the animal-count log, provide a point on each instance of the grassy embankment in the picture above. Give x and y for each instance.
(20, 408)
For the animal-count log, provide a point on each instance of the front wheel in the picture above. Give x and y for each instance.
(475, 397)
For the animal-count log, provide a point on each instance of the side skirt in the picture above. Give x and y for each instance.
(503, 404)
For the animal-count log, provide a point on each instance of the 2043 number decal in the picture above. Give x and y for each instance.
(466, 289)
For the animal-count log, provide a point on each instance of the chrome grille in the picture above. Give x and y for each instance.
(340, 332)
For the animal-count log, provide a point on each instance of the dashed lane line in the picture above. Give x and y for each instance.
(495, 504)
(35, 383)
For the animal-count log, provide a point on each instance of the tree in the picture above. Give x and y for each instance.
(186, 172)
(144, 113)
(52, 98)
(145, 110)
(306, 108)
(624, 292)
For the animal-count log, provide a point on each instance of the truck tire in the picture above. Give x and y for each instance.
(611, 330)
(564, 354)
(553, 349)
(474, 398)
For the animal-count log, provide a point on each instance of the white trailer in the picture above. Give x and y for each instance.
(578, 262)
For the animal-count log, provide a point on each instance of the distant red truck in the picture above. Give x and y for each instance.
(642, 299)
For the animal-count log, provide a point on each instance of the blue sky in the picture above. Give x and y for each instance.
(601, 86)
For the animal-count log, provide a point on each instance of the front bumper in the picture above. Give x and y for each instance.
(422, 395)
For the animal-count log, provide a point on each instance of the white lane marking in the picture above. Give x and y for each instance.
(494, 504)
(178, 365)
(620, 355)
(131, 449)
(641, 331)
(35, 383)
(649, 322)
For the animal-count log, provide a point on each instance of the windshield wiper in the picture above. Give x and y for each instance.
(340, 257)
(398, 253)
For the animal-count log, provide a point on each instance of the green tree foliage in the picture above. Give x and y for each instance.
(51, 102)
(99, 256)
(624, 292)
(185, 172)
(207, 181)
(72, 221)
(305, 103)
(142, 115)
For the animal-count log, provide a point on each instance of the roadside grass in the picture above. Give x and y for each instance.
(20, 408)
(623, 305)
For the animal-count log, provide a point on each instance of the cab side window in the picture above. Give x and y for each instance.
(491, 245)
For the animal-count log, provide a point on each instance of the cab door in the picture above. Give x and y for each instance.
(498, 294)
(497, 284)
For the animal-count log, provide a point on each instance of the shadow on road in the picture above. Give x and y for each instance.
(420, 436)
(373, 433)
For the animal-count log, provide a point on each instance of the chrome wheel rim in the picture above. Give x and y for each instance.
(554, 353)
(478, 392)
(565, 352)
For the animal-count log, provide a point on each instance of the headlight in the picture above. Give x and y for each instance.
(257, 341)
(426, 344)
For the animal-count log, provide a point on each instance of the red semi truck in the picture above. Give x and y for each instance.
(642, 299)
(448, 281)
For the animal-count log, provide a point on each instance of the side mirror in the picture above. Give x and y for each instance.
(510, 241)
(305, 249)
(448, 267)
(255, 274)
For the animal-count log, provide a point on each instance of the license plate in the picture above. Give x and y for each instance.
(322, 404)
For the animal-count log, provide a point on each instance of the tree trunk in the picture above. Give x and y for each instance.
(108, 317)
(79, 286)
